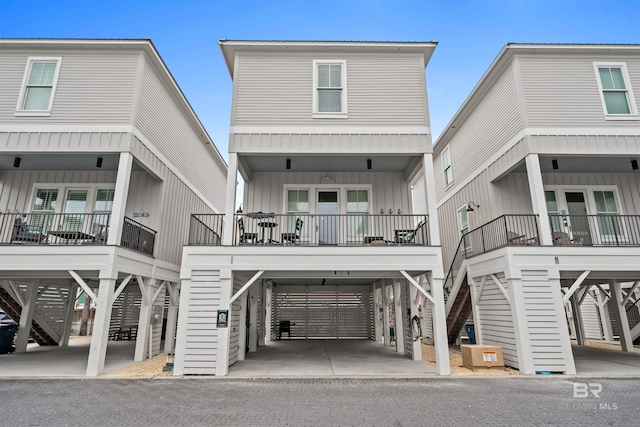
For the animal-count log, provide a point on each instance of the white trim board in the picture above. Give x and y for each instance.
(317, 129)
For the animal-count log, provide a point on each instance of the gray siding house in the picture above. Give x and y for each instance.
(538, 194)
(329, 138)
(102, 159)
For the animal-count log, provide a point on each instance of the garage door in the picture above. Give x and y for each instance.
(324, 312)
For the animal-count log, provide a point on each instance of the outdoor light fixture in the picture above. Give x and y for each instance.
(99, 162)
(554, 164)
(288, 163)
(470, 208)
(368, 163)
(634, 165)
(381, 211)
(16, 162)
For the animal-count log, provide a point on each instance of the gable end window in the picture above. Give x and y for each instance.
(615, 91)
(39, 85)
(446, 166)
(329, 89)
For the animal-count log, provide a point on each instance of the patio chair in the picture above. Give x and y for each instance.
(284, 326)
(246, 238)
(408, 237)
(294, 237)
(22, 233)
(560, 238)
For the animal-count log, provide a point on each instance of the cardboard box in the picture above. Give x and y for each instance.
(481, 356)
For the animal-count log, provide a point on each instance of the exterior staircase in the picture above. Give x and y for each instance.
(460, 310)
(10, 306)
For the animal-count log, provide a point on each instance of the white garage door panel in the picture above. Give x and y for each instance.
(323, 312)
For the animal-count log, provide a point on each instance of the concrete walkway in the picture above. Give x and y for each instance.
(63, 362)
(328, 358)
(593, 361)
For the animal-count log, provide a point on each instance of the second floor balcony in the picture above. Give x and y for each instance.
(63, 229)
(269, 229)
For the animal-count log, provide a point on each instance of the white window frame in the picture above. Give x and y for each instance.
(92, 192)
(20, 111)
(633, 108)
(343, 68)
(590, 201)
(446, 167)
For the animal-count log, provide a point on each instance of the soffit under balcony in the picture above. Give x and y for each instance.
(315, 163)
(63, 162)
(584, 164)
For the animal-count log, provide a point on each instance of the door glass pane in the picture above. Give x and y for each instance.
(298, 201)
(104, 200)
(74, 209)
(45, 200)
(552, 204)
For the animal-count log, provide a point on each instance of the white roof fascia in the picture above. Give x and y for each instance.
(229, 47)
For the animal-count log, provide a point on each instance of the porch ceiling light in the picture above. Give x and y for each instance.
(99, 162)
(288, 163)
(368, 163)
(554, 164)
(470, 209)
(16, 162)
(634, 165)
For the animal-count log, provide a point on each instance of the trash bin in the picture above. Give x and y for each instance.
(471, 333)
(392, 333)
(7, 335)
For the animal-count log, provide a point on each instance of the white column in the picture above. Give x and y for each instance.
(416, 353)
(477, 326)
(26, 316)
(183, 324)
(224, 341)
(376, 313)
(254, 292)
(605, 318)
(98, 349)
(538, 200)
(242, 335)
(267, 313)
(577, 319)
(144, 320)
(432, 210)
(400, 316)
(120, 198)
(68, 316)
(440, 327)
(230, 207)
(620, 314)
(385, 314)
(172, 315)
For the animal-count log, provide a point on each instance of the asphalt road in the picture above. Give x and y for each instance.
(322, 402)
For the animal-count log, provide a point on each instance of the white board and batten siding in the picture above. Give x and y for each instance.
(495, 318)
(164, 120)
(94, 85)
(495, 120)
(198, 316)
(266, 191)
(235, 322)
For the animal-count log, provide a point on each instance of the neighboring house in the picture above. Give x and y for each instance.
(329, 138)
(541, 164)
(102, 160)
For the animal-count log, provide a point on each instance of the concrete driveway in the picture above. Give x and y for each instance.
(63, 362)
(328, 358)
(593, 361)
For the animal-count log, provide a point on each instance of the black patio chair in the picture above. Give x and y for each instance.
(284, 326)
(246, 238)
(294, 237)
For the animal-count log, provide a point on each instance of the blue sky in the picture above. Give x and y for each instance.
(470, 35)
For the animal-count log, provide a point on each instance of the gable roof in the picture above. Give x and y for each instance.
(501, 62)
(230, 47)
